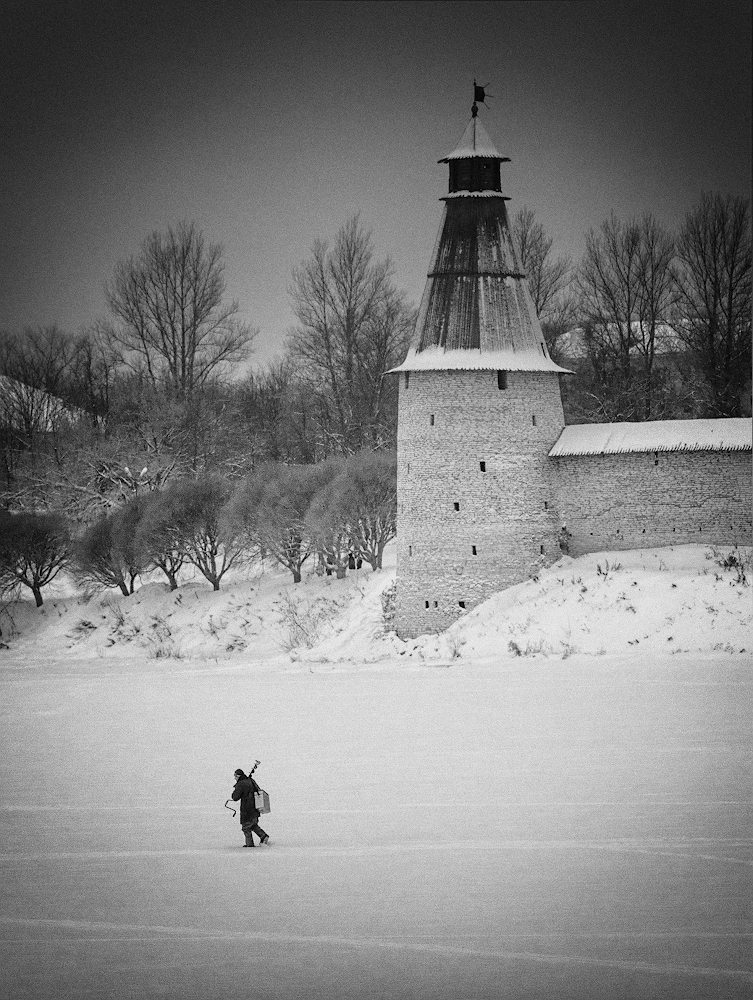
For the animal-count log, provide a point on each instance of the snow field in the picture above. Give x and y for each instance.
(450, 820)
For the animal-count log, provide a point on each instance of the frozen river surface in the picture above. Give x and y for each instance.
(563, 829)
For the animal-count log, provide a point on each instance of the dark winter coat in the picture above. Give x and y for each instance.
(244, 792)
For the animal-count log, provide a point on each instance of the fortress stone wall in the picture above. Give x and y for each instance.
(650, 499)
(476, 491)
(482, 505)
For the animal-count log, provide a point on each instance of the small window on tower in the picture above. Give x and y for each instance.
(541, 549)
(464, 175)
(426, 603)
(546, 505)
(501, 380)
(436, 604)
(482, 466)
(410, 550)
(461, 604)
(457, 505)
(473, 550)
(431, 419)
(407, 379)
(533, 419)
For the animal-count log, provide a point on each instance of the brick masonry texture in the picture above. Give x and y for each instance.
(512, 513)
(645, 500)
(449, 423)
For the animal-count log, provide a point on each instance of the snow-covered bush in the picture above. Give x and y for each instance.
(367, 495)
(34, 548)
(269, 508)
(108, 553)
(211, 541)
(389, 597)
(738, 561)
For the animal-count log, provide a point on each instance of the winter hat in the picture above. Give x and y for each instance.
(240, 773)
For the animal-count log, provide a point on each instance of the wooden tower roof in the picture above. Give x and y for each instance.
(474, 142)
(476, 311)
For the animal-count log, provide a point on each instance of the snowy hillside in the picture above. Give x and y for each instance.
(669, 600)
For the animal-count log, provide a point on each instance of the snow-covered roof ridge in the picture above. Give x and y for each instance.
(474, 194)
(472, 359)
(719, 434)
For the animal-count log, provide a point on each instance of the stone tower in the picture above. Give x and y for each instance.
(479, 410)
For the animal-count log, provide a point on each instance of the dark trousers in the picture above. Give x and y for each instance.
(249, 829)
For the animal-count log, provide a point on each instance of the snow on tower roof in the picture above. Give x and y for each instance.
(474, 142)
(467, 359)
(721, 434)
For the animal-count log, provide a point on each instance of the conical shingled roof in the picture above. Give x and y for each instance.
(474, 142)
(476, 311)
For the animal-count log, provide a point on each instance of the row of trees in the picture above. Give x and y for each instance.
(343, 511)
(655, 325)
(155, 387)
(664, 319)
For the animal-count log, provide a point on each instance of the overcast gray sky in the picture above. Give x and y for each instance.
(270, 123)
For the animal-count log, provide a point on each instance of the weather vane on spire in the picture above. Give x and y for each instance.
(479, 97)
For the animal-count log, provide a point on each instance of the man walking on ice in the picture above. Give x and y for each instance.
(245, 789)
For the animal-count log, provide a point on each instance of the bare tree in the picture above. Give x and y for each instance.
(353, 325)
(713, 304)
(105, 553)
(159, 537)
(328, 527)
(548, 277)
(208, 539)
(39, 357)
(35, 422)
(172, 326)
(34, 548)
(656, 253)
(609, 282)
(92, 377)
(33, 367)
(270, 508)
(273, 416)
(368, 487)
(625, 295)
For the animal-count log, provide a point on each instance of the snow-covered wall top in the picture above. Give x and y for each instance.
(720, 434)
